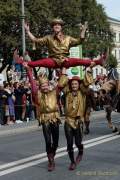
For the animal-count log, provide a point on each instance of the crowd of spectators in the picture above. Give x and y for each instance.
(16, 103)
(96, 86)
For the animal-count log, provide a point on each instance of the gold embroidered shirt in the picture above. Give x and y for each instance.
(48, 107)
(75, 105)
(58, 50)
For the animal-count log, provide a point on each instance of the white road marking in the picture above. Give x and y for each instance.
(87, 144)
(38, 156)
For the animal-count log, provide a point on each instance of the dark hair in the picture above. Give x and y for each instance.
(103, 91)
(15, 84)
(96, 82)
(6, 84)
(70, 82)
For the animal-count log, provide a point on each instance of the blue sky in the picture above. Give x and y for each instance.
(112, 7)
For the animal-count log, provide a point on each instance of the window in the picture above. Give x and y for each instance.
(115, 37)
(96, 71)
(119, 37)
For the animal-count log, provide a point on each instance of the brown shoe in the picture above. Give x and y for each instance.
(51, 166)
(72, 166)
(51, 163)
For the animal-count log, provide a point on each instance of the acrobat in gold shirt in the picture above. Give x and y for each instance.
(58, 50)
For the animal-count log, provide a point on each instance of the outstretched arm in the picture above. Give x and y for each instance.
(34, 87)
(88, 79)
(31, 36)
(40, 41)
(63, 82)
(77, 41)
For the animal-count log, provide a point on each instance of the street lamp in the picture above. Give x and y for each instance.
(23, 36)
(23, 29)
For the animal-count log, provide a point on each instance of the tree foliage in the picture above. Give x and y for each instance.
(10, 34)
(99, 35)
(112, 61)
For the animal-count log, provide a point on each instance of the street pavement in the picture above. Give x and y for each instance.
(33, 125)
(18, 128)
(23, 157)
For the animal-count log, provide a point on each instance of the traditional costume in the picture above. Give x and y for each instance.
(58, 51)
(48, 115)
(74, 115)
(110, 95)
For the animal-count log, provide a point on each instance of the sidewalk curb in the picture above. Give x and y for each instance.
(19, 128)
(32, 126)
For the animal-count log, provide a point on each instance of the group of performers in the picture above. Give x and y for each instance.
(45, 95)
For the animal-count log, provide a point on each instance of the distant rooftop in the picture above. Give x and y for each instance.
(114, 20)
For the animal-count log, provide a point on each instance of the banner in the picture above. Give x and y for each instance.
(76, 52)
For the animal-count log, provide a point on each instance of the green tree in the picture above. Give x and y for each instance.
(70, 12)
(9, 29)
(112, 61)
(38, 14)
(99, 36)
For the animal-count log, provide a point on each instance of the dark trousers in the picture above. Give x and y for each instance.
(51, 135)
(18, 111)
(72, 134)
(2, 116)
(108, 112)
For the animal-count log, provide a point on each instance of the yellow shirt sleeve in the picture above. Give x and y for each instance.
(42, 41)
(74, 41)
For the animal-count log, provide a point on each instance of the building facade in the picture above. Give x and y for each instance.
(115, 27)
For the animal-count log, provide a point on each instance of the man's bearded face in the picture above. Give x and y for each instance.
(75, 85)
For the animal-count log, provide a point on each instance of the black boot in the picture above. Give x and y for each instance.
(80, 154)
(114, 129)
(51, 163)
(72, 164)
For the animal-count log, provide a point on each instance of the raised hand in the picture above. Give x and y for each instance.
(92, 64)
(25, 64)
(27, 28)
(18, 59)
(83, 28)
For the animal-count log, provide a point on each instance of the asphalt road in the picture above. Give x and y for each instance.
(23, 157)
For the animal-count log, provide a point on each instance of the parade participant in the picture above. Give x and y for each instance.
(3, 98)
(75, 92)
(109, 94)
(108, 105)
(45, 99)
(113, 80)
(58, 46)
